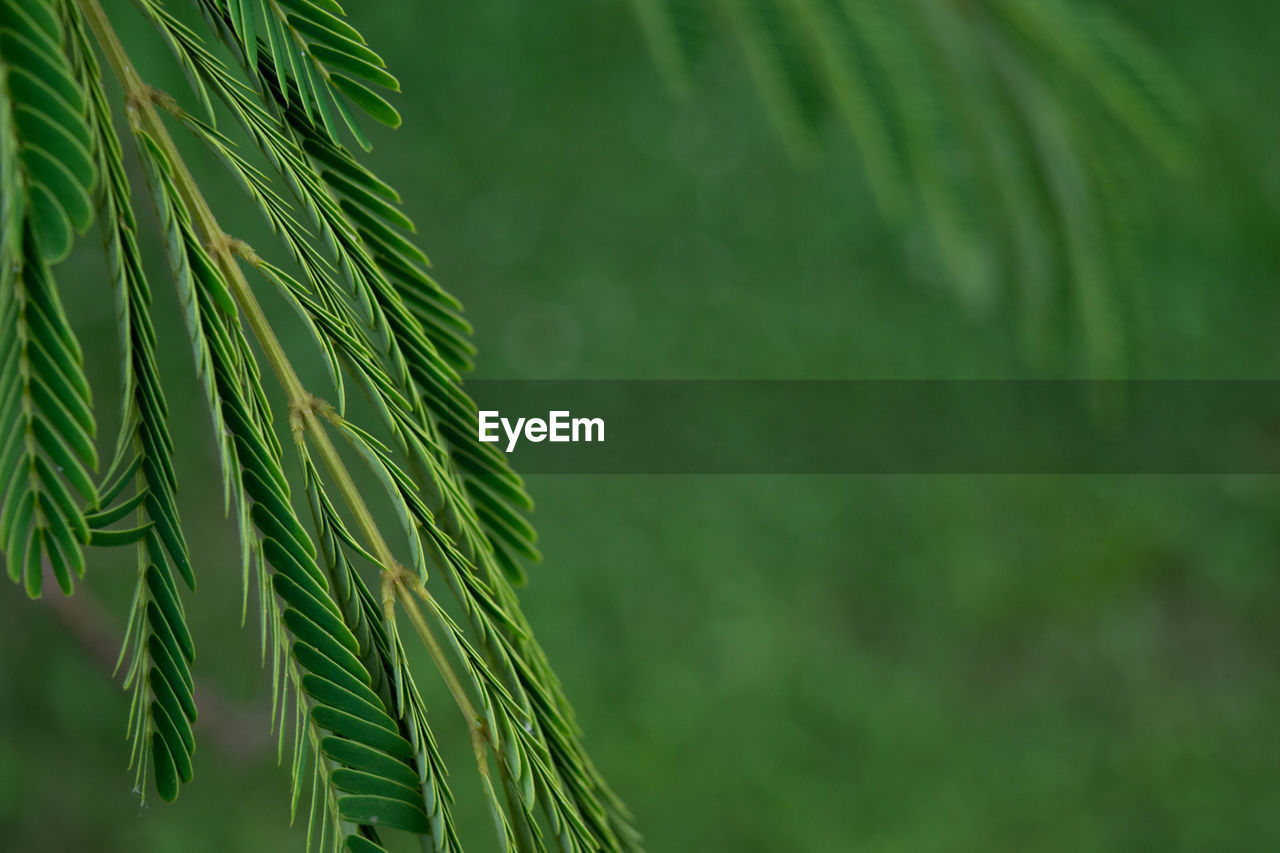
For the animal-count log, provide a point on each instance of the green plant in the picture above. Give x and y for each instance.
(1007, 130)
(380, 321)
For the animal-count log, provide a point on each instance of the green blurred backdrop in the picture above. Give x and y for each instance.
(760, 663)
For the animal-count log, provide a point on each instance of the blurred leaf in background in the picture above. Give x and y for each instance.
(1009, 131)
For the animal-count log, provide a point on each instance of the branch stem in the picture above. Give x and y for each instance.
(476, 723)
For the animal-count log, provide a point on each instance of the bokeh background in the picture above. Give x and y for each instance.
(760, 663)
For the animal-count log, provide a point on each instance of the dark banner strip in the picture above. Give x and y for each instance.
(883, 427)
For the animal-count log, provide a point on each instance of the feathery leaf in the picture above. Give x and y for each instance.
(47, 451)
(923, 92)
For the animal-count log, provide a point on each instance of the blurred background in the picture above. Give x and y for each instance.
(760, 663)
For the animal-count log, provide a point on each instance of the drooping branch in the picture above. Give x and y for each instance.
(306, 412)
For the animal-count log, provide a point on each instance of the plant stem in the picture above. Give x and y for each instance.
(138, 97)
(311, 420)
(479, 728)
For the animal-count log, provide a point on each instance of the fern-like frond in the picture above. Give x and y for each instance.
(391, 308)
(361, 286)
(314, 650)
(48, 138)
(383, 657)
(316, 57)
(331, 314)
(48, 429)
(163, 706)
(544, 766)
(47, 451)
(945, 139)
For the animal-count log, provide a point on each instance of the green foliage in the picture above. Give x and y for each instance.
(1005, 128)
(314, 55)
(1006, 117)
(45, 414)
(359, 723)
